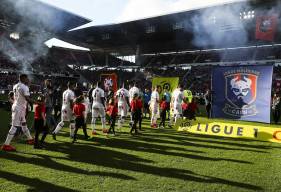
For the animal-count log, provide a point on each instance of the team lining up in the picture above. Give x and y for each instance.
(75, 109)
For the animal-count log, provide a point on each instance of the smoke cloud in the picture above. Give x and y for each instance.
(219, 26)
(34, 27)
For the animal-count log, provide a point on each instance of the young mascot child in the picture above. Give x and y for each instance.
(135, 113)
(185, 108)
(163, 111)
(40, 122)
(79, 111)
(112, 111)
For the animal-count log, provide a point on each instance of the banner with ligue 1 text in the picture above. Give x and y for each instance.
(229, 128)
(168, 83)
(242, 92)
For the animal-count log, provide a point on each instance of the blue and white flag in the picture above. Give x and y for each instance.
(242, 92)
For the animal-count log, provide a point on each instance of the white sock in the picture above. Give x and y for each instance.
(72, 129)
(10, 135)
(26, 131)
(176, 118)
(103, 122)
(94, 123)
(59, 127)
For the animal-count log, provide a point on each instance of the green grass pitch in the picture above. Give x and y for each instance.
(158, 160)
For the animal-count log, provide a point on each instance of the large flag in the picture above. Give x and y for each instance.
(109, 80)
(266, 28)
(168, 83)
(242, 92)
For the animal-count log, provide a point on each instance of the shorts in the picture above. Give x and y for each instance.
(168, 106)
(79, 122)
(177, 110)
(146, 107)
(154, 108)
(98, 112)
(67, 114)
(18, 116)
(39, 125)
(122, 110)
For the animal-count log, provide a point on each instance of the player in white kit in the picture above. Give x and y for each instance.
(88, 106)
(177, 99)
(122, 96)
(154, 106)
(21, 98)
(98, 108)
(133, 91)
(68, 97)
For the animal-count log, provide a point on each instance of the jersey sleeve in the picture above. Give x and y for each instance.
(102, 93)
(25, 91)
(72, 96)
(43, 109)
(83, 108)
(126, 93)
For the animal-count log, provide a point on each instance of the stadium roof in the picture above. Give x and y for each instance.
(168, 33)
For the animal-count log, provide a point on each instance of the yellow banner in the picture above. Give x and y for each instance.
(262, 132)
(188, 94)
(168, 83)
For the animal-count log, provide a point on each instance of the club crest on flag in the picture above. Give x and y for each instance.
(241, 94)
(265, 25)
(108, 83)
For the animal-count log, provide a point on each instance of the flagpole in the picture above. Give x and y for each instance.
(211, 94)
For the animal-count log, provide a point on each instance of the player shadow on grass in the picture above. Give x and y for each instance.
(93, 155)
(106, 158)
(184, 136)
(48, 162)
(188, 141)
(159, 149)
(34, 184)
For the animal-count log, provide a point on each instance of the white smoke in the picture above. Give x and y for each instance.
(219, 26)
(35, 23)
(137, 9)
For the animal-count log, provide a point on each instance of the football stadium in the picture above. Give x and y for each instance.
(183, 101)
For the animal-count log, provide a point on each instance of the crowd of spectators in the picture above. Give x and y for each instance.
(213, 56)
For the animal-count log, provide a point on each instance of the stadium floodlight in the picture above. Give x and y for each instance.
(15, 36)
(178, 25)
(105, 36)
(150, 29)
(247, 15)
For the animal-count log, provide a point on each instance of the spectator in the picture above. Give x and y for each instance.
(208, 105)
(276, 108)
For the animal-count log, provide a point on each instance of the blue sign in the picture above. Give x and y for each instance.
(242, 92)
